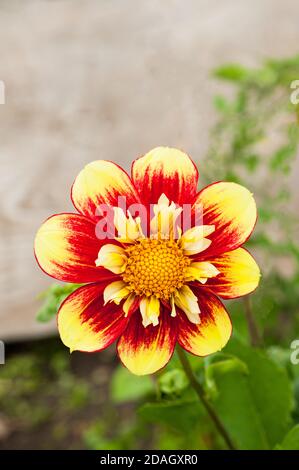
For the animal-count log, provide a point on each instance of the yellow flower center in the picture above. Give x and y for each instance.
(155, 267)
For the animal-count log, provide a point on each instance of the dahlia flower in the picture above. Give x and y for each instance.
(151, 280)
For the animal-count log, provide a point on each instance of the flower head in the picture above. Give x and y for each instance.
(155, 269)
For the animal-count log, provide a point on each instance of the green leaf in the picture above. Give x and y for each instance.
(173, 382)
(270, 390)
(281, 159)
(282, 356)
(291, 440)
(252, 162)
(226, 365)
(53, 298)
(231, 72)
(232, 399)
(180, 414)
(221, 104)
(127, 387)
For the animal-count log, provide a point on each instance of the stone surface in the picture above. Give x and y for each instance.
(91, 79)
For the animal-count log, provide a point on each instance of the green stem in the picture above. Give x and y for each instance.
(254, 334)
(201, 395)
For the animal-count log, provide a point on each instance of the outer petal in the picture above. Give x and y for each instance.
(146, 350)
(239, 274)
(165, 170)
(212, 333)
(85, 324)
(231, 208)
(102, 182)
(66, 248)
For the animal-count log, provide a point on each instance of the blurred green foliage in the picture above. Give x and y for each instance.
(254, 390)
(38, 390)
(291, 440)
(255, 143)
(52, 299)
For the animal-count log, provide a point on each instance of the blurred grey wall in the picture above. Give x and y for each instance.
(90, 79)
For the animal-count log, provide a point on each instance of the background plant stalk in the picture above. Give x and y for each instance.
(201, 394)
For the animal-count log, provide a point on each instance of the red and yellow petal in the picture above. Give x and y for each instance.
(238, 275)
(66, 248)
(146, 350)
(232, 209)
(86, 324)
(212, 333)
(102, 182)
(165, 170)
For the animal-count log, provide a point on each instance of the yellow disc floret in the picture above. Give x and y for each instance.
(155, 267)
